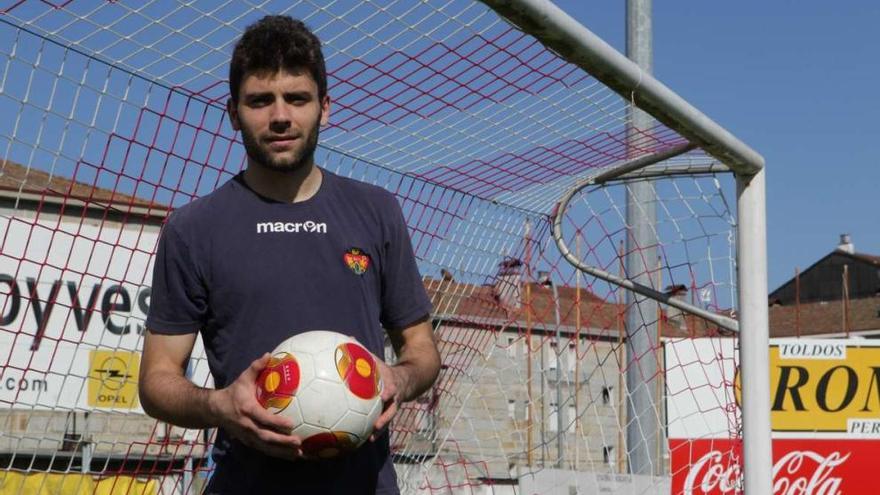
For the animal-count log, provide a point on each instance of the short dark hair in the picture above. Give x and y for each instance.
(273, 43)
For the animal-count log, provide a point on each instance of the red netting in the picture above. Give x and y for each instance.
(475, 127)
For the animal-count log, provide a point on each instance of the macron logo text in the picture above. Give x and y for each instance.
(276, 227)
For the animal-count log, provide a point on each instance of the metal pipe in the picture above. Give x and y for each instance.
(641, 241)
(754, 341)
(667, 171)
(560, 441)
(87, 445)
(720, 320)
(578, 45)
(529, 377)
(643, 161)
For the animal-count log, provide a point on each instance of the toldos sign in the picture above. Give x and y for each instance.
(827, 386)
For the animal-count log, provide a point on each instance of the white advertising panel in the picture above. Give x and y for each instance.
(73, 300)
(819, 388)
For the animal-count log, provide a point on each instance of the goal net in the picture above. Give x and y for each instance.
(559, 376)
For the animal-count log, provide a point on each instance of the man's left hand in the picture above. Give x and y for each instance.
(418, 364)
(391, 396)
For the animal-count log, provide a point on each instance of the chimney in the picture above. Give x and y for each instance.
(846, 244)
(675, 316)
(544, 278)
(507, 283)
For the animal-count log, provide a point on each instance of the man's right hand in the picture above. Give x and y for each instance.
(238, 411)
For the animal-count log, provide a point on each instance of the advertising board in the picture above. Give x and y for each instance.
(73, 300)
(800, 466)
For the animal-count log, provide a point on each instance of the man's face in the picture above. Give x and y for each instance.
(279, 116)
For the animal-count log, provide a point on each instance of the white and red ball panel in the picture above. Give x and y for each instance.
(370, 409)
(330, 444)
(278, 382)
(305, 430)
(306, 362)
(358, 370)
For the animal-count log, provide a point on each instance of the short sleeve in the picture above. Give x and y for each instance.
(404, 300)
(178, 301)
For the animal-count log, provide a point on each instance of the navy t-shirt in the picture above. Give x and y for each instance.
(249, 272)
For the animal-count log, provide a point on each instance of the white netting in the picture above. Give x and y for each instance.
(115, 115)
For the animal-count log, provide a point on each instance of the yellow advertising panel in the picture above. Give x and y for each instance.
(825, 386)
(113, 379)
(12, 483)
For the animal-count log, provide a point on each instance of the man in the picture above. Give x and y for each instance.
(263, 258)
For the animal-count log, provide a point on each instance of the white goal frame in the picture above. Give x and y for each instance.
(578, 45)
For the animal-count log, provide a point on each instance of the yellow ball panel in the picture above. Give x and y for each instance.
(363, 367)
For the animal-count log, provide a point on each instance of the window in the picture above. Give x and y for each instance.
(553, 358)
(517, 409)
(607, 454)
(512, 347)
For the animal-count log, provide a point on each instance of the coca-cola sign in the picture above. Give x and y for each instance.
(800, 467)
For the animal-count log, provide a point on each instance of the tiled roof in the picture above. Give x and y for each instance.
(476, 306)
(16, 177)
(820, 281)
(824, 317)
(868, 258)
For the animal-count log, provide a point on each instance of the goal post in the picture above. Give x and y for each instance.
(504, 130)
(578, 45)
(754, 332)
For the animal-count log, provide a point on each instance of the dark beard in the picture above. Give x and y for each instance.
(260, 156)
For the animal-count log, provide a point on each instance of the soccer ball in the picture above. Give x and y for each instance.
(329, 385)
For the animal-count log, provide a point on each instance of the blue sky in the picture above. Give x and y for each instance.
(795, 80)
(798, 82)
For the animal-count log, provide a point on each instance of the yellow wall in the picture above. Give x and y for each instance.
(73, 484)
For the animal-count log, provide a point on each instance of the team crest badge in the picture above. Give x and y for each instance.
(357, 260)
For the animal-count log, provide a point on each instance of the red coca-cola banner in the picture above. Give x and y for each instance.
(800, 467)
